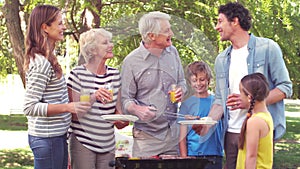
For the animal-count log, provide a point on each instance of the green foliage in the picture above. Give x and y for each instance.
(16, 158)
(279, 20)
(193, 24)
(7, 62)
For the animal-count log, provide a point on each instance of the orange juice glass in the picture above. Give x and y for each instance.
(172, 93)
(109, 87)
(84, 95)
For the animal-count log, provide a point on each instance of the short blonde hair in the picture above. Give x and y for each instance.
(150, 23)
(196, 67)
(89, 40)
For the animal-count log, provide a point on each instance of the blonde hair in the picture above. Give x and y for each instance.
(197, 67)
(89, 41)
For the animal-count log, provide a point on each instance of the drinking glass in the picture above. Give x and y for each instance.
(84, 95)
(172, 93)
(109, 87)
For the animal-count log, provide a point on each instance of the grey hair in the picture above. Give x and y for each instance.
(150, 23)
(89, 40)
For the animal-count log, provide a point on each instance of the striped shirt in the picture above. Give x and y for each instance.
(91, 130)
(43, 88)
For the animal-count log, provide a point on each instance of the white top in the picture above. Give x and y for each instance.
(237, 70)
(43, 88)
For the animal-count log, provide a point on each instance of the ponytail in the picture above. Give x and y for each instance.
(244, 126)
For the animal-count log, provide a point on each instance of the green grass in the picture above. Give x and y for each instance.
(292, 107)
(287, 150)
(14, 122)
(20, 158)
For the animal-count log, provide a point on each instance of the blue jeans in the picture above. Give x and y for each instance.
(49, 152)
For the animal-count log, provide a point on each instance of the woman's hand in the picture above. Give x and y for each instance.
(103, 95)
(79, 108)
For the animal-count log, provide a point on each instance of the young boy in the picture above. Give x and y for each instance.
(198, 106)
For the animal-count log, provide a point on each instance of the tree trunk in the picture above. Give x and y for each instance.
(13, 23)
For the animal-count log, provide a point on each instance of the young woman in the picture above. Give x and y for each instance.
(256, 139)
(198, 105)
(46, 102)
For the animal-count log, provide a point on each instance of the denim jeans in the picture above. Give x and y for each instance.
(49, 152)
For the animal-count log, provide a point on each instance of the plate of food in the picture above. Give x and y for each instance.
(203, 120)
(122, 117)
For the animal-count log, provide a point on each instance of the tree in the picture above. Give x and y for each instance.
(13, 24)
(193, 24)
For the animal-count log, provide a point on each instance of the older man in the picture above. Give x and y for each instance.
(147, 75)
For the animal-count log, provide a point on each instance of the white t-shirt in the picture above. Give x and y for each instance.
(237, 70)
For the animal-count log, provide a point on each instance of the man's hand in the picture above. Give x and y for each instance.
(201, 129)
(178, 94)
(145, 113)
(215, 113)
(234, 102)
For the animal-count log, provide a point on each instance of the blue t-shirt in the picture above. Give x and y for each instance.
(211, 143)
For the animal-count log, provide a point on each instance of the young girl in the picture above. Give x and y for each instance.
(198, 105)
(256, 138)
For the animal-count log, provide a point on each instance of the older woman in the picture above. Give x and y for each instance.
(92, 140)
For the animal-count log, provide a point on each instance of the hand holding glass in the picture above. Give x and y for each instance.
(109, 87)
(84, 95)
(172, 93)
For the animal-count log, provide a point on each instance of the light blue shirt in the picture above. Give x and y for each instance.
(265, 56)
(209, 144)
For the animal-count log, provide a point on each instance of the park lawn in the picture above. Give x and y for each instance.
(15, 122)
(292, 107)
(287, 150)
